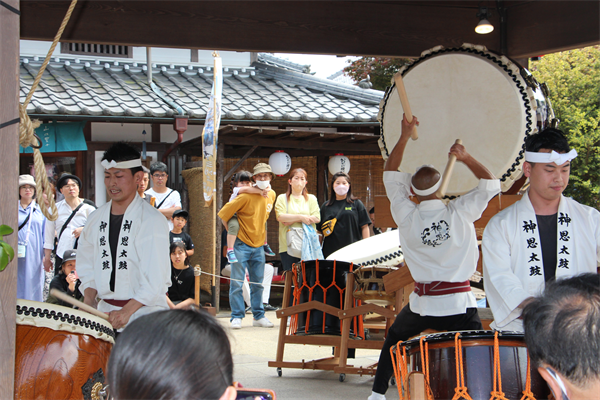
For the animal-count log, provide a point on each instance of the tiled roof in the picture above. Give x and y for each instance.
(261, 92)
(270, 59)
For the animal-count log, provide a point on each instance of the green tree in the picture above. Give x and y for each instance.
(380, 69)
(573, 79)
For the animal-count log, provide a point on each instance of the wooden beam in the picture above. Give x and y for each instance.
(156, 133)
(322, 178)
(237, 165)
(9, 164)
(219, 204)
(535, 28)
(359, 28)
(293, 144)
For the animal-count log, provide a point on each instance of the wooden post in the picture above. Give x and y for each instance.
(9, 164)
(321, 179)
(218, 202)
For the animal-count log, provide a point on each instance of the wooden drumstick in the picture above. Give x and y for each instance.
(81, 305)
(404, 100)
(441, 192)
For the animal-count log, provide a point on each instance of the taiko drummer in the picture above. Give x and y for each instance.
(440, 248)
(123, 255)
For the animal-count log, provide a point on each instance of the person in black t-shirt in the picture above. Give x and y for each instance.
(67, 280)
(178, 235)
(182, 291)
(350, 215)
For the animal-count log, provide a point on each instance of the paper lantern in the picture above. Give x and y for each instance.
(280, 162)
(338, 163)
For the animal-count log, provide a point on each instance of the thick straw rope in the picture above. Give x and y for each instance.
(27, 128)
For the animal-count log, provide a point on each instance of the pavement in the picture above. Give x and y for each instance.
(254, 347)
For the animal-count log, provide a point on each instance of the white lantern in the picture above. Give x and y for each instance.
(339, 163)
(280, 162)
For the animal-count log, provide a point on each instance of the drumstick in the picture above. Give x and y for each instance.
(81, 305)
(404, 100)
(441, 192)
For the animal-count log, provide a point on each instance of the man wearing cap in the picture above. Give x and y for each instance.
(167, 201)
(73, 213)
(440, 249)
(177, 234)
(123, 256)
(252, 213)
(541, 237)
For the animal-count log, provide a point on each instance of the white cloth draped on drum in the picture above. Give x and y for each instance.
(510, 240)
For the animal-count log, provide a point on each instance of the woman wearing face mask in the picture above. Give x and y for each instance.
(294, 208)
(351, 218)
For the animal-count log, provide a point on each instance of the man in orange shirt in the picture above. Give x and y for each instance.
(252, 213)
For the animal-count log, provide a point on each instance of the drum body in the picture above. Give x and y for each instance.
(370, 287)
(324, 281)
(467, 93)
(478, 363)
(61, 353)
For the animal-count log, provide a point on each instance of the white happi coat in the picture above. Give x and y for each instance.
(143, 270)
(439, 240)
(512, 256)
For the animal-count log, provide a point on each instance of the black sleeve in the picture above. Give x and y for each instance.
(363, 216)
(189, 245)
(324, 215)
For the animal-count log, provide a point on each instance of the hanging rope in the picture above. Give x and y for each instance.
(460, 391)
(27, 127)
(497, 393)
(527, 393)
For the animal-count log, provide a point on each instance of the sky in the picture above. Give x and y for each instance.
(324, 66)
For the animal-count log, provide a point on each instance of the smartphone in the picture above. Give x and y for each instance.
(255, 394)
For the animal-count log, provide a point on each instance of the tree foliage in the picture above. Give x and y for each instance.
(573, 79)
(380, 69)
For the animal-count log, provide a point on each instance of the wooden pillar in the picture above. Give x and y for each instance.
(219, 203)
(156, 135)
(321, 178)
(9, 164)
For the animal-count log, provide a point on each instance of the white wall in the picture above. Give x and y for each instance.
(31, 48)
(115, 131)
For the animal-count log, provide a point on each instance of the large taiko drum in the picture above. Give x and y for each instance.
(323, 281)
(467, 93)
(61, 353)
(480, 354)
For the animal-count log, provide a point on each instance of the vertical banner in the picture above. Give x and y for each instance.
(210, 132)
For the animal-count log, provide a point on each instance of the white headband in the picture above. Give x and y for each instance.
(552, 157)
(427, 192)
(121, 164)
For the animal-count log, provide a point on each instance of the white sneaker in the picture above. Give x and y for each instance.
(236, 323)
(376, 396)
(263, 322)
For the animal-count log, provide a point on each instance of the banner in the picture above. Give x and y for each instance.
(210, 134)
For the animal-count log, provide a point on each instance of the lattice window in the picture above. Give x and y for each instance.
(107, 50)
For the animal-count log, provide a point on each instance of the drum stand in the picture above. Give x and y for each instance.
(338, 362)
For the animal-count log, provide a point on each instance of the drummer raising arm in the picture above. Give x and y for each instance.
(440, 249)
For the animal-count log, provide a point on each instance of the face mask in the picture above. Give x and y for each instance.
(262, 185)
(560, 383)
(341, 190)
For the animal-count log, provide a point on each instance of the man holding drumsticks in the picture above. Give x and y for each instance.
(123, 255)
(440, 249)
(542, 236)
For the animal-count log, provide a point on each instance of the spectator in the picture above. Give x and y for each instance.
(143, 186)
(252, 213)
(182, 292)
(344, 218)
(177, 234)
(178, 354)
(167, 200)
(293, 208)
(32, 224)
(73, 213)
(562, 332)
(67, 280)
(376, 230)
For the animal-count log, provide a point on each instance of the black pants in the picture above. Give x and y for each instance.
(57, 264)
(408, 324)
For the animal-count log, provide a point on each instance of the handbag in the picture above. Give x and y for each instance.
(327, 226)
(294, 238)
